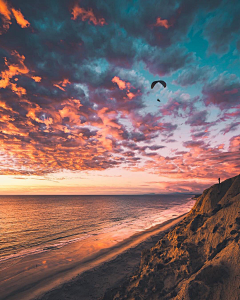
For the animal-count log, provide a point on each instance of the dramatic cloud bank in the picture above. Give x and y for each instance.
(75, 89)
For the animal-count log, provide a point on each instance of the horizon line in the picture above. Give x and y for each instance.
(146, 194)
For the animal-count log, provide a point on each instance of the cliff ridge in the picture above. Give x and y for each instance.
(199, 259)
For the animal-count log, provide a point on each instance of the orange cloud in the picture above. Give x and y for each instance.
(37, 78)
(162, 23)
(20, 18)
(130, 95)
(65, 82)
(13, 70)
(7, 13)
(3, 105)
(108, 128)
(71, 110)
(18, 89)
(95, 144)
(4, 10)
(86, 15)
(58, 86)
(62, 84)
(121, 84)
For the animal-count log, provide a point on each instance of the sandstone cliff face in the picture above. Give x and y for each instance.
(199, 259)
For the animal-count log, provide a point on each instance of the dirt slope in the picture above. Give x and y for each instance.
(199, 259)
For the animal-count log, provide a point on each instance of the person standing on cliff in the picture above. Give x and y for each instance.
(219, 180)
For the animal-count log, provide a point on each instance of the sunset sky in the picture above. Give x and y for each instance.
(77, 112)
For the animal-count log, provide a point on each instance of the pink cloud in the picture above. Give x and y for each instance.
(224, 91)
(231, 92)
(234, 144)
(201, 162)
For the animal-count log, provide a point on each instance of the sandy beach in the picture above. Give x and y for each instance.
(82, 274)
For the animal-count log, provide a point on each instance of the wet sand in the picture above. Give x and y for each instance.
(79, 271)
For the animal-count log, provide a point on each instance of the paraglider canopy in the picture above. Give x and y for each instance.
(160, 81)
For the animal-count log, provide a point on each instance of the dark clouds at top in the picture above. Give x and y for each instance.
(60, 107)
(127, 36)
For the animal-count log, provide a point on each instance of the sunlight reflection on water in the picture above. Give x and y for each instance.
(34, 224)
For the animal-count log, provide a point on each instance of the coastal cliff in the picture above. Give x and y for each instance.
(199, 259)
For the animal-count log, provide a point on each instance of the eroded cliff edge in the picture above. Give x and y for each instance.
(199, 258)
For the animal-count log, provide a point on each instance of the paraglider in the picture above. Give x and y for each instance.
(160, 81)
(155, 82)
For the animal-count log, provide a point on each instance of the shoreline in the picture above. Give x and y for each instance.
(39, 282)
(120, 261)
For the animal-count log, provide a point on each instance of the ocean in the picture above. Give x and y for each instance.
(36, 224)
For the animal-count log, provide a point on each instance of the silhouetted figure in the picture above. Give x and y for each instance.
(219, 180)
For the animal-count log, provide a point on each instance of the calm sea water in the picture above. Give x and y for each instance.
(33, 224)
